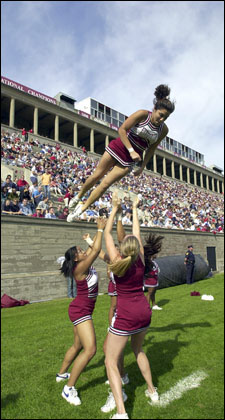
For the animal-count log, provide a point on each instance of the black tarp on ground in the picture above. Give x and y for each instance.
(173, 270)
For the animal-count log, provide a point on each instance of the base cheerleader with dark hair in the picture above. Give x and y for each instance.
(78, 263)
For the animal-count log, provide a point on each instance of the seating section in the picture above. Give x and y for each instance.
(164, 203)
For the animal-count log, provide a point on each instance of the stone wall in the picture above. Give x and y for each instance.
(30, 248)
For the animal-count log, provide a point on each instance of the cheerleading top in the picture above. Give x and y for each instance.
(88, 287)
(133, 313)
(82, 307)
(141, 136)
(112, 285)
(151, 278)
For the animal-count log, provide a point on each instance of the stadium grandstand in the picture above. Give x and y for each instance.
(179, 196)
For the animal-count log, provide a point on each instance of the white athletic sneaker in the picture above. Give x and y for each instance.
(62, 376)
(74, 201)
(157, 307)
(154, 395)
(120, 416)
(111, 403)
(71, 395)
(125, 380)
(76, 213)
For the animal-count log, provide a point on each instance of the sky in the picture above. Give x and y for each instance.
(117, 52)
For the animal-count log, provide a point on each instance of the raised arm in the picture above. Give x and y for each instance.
(83, 266)
(119, 227)
(110, 246)
(90, 242)
(136, 226)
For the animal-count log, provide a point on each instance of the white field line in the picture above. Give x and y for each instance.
(190, 382)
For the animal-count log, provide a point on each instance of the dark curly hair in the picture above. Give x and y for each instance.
(69, 264)
(162, 99)
(152, 246)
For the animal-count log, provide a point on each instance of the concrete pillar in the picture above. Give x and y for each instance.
(173, 169)
(195, 178)
(207, 182)
(164, 166)
(56, 128)
(213, 185)
(201, 179)
(181, 172)
(223, 187)
(35, 120)
(75, 137)
(92, 136)
(154, 163)
(218, 186)
(188, 175)
(12, 113)
(106, 140)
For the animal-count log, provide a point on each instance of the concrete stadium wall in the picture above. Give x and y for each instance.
(30, 248)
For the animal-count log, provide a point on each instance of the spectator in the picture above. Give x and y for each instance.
(59, 210)
(25, 208)
(38, 213)
(37, 195)
(13, 194)
(126, 220)
(24, 134)
(46, 181)
(21, 183)
(50, 214)
(33, 177)
(68, 196)
(8, 184)
(64, 214)
(44, 205)
(7, 207)
(15, 209)
(4, 195)
(25, 193)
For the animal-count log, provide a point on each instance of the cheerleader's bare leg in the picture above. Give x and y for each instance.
(117, 173)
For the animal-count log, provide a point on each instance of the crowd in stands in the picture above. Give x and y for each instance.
(58, 173)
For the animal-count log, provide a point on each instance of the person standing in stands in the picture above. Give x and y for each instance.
(45, 182)
(142, 131)
(189, 261)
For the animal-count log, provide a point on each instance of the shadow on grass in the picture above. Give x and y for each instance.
(160, 355)
(9, 399)
(163, 302)
(180, 327)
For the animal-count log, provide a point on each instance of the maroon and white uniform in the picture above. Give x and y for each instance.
(112, 285)
(133, 313)
(82, 307)
(141, 137)
(151, 278)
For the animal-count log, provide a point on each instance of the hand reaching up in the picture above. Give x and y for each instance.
(101, 222)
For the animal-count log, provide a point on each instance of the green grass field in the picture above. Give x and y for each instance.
(184, 338)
